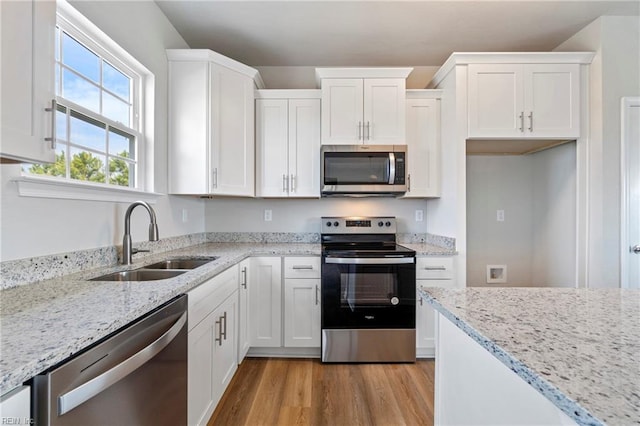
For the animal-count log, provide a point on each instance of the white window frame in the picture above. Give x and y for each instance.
(87, 33)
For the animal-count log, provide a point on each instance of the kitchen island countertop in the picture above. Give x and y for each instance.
(580, 348)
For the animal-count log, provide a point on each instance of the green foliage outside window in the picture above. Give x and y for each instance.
(84, 166)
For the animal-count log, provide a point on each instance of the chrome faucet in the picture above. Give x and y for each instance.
(127, 250)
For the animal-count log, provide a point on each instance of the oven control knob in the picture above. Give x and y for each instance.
(387, 224)
(395, 301)
(380, 223)
(328, 223)
(335, 223)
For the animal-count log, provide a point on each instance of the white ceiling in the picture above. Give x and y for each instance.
(379, 33)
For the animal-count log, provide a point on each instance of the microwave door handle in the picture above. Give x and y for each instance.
(392, 168)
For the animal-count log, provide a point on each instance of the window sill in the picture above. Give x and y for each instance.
(41, 187)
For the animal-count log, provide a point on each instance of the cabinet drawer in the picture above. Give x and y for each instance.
(434, 268)
(436, 283)
(302, 267)
(205, 298)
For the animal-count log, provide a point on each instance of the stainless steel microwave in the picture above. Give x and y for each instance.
(363, 170)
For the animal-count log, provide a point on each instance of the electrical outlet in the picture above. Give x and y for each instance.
(419, 215)
(500, 215)
(268, 215)
(185, 215)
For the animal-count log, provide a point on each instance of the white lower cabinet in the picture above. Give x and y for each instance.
(473, 387)
(244, 276)
(302, 302)
(212, 343)
(430, 272)
(265, 298)
(15, 406)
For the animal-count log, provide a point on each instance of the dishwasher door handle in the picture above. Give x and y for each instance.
(93, 387)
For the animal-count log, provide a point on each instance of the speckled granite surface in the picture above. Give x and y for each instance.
(578, 347)
(45, 322)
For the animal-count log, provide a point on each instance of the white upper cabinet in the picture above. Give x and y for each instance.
(288, 143)
(211, 124)
(363, 105)
(524, 100)
(27, 80)
(423, 144)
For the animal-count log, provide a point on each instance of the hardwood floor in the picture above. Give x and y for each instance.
(268, 391)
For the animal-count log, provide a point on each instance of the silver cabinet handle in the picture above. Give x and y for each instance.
(435, 268)
(636, 249)
(368, 131)
(215, 177)
(530, 121)
(244, 277)
(420, 301)
(522, 121)
(317, 289)
(93, 387)
(224, 333)
(302, 267)
(359, 130)
(284, 183)
(293, 183)
(53, 109)
(219, 338)
(369, 260)
(409, 182)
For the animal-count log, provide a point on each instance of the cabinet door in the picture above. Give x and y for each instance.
(200, 371)
(342, 111)
(232, 133)
(384, 111)
(27, 37)
(265, 298)
(272, 144)
(244, 276)
(225, 346)
(425, 326)
(16, 405)
(552, 100)
(189, 159)
(304, 147)
(302, 312)
(423, 146)
(495, 100)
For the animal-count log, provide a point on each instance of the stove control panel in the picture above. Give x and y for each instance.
(359, 225)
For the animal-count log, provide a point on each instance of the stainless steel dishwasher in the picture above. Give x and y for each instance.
(136, 376)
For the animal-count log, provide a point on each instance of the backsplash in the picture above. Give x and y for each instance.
(24, 271)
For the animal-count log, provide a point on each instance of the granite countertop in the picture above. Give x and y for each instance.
(580, 348)
(425, 249)
(45, 322)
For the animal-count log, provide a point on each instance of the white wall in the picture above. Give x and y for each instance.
(537, 240)
(39, 226)
(247, 215)
(305, 77)
(499, 183)
(614, 73)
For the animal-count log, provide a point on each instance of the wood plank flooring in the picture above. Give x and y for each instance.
(269, 391)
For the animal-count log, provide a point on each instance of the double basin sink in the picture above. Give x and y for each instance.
(158, 271)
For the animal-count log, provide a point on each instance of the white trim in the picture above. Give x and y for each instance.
(206, 55)
(625, 103)
(424, 93)
(466, 58)
(362, 72)
(288, 94)
(43, 187)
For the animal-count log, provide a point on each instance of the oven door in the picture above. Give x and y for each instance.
(368, 292)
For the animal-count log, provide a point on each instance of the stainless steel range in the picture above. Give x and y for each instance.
(368, 292)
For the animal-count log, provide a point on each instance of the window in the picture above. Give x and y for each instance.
(98, 118)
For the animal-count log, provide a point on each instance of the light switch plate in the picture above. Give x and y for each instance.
(419, 215)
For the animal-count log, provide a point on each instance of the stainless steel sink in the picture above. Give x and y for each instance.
(139, 275)
(181, 263)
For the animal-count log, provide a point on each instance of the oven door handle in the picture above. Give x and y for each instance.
(369, 260)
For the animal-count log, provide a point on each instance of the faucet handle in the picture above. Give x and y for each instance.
(137, 250)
